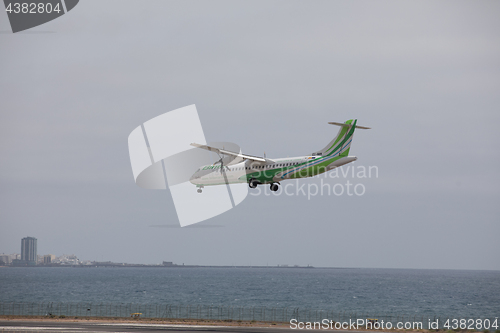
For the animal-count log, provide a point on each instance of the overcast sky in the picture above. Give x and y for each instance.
(269, 76)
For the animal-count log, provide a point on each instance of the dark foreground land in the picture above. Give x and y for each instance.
(43, 324)
(93, 324)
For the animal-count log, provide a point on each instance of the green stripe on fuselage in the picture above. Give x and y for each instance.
(265, 176)
(313, 170)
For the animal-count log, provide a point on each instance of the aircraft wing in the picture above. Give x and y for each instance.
(227, 152)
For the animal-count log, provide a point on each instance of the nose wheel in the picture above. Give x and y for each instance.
(274, 187)
(200, 189)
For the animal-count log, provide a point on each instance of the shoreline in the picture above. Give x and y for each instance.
(123, 265)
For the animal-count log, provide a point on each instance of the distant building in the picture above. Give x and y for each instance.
(28, 250)
(4, 259)
(67, 260)
(48, 258)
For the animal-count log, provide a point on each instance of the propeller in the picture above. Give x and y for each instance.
(221, 162)
(222, 166)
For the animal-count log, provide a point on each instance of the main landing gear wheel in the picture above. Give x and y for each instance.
(274, 187)
(253, 183)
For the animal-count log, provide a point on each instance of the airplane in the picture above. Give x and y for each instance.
(256, 170)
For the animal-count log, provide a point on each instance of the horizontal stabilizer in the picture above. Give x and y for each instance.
(348, 125)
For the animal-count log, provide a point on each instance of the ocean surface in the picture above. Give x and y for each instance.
(447, 293)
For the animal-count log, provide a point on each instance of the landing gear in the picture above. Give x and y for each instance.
(200, 189)
(274, 187)
(253, 183)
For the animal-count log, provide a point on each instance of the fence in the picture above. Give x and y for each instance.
(209, 312)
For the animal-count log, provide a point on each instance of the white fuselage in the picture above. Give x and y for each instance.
(271, 171)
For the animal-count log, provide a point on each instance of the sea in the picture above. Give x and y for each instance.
(427, 293)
